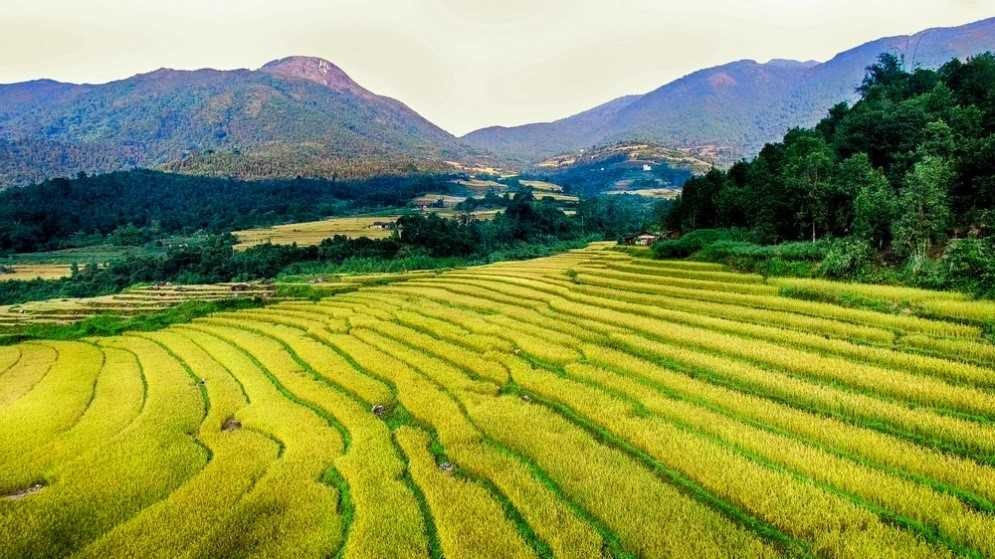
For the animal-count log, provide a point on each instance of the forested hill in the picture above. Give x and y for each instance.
(908, 167)
(732, 110)
(60, 213)
(294, 116)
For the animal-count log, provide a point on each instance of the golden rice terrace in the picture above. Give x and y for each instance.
(585, 405)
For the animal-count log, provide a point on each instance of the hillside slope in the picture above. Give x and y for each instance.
(735, 108)
(294, 116)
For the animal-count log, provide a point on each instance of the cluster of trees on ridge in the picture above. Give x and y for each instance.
(906, 176)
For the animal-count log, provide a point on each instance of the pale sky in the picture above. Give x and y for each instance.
(462, 64)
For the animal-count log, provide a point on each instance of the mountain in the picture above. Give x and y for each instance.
(294, 116)
(734, 109)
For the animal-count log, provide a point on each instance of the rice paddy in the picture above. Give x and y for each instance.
(139, 300)
(34, 271)
(588, 404)
(313, 232)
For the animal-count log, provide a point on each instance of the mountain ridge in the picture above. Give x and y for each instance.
(292, 116)
(734, 108)
(302, 115)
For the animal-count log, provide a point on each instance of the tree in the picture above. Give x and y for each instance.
(807, 172)
(939, 140)
(874, 201)
(887, 73)
(923, 208)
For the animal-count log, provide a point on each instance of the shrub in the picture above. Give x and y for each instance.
(968, 265)
(845, 259)
(696, 240)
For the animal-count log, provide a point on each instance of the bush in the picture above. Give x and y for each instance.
(846, 259)
(922, 271)
(696, 240)
(787, 259)
(969, 265)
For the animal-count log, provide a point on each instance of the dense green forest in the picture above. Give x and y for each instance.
(61, 213)
(905, 178)
(526, 228)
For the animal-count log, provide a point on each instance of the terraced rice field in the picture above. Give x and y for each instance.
(34, 271)
(313, 232)
(542, 185)
(481, 186)
(140, 300)
(665, 193)
(555, 196)
(584, 405)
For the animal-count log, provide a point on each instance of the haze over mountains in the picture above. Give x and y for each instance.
(305, 116)
(732, 110)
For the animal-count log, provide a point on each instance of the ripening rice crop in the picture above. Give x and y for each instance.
(589, 404)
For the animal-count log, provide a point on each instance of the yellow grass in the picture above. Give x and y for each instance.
(481, 185)
(34, 271)
(313, 232)
(543, 185)
(663, 193)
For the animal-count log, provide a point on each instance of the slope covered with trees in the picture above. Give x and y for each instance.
(908, 171)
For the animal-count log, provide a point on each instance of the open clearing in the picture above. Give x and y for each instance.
(665, 193)
(139, 300)
(313, 232)
(542, 185)
(34, 271)
(589, 404)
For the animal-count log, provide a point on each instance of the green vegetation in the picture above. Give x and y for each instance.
(899, 187)
(136, 208)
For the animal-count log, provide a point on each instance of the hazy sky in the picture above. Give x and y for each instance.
(463, 64)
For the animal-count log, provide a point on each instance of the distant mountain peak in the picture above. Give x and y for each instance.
(789, 63)
(317, 70)
(294, 116)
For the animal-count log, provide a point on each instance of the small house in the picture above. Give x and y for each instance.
(641, 239)
(383, 225)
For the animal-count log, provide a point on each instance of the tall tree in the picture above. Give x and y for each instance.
(923, 208)
(874, 201)
(808, 170)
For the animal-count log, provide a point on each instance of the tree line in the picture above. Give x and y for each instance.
(906, 174)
